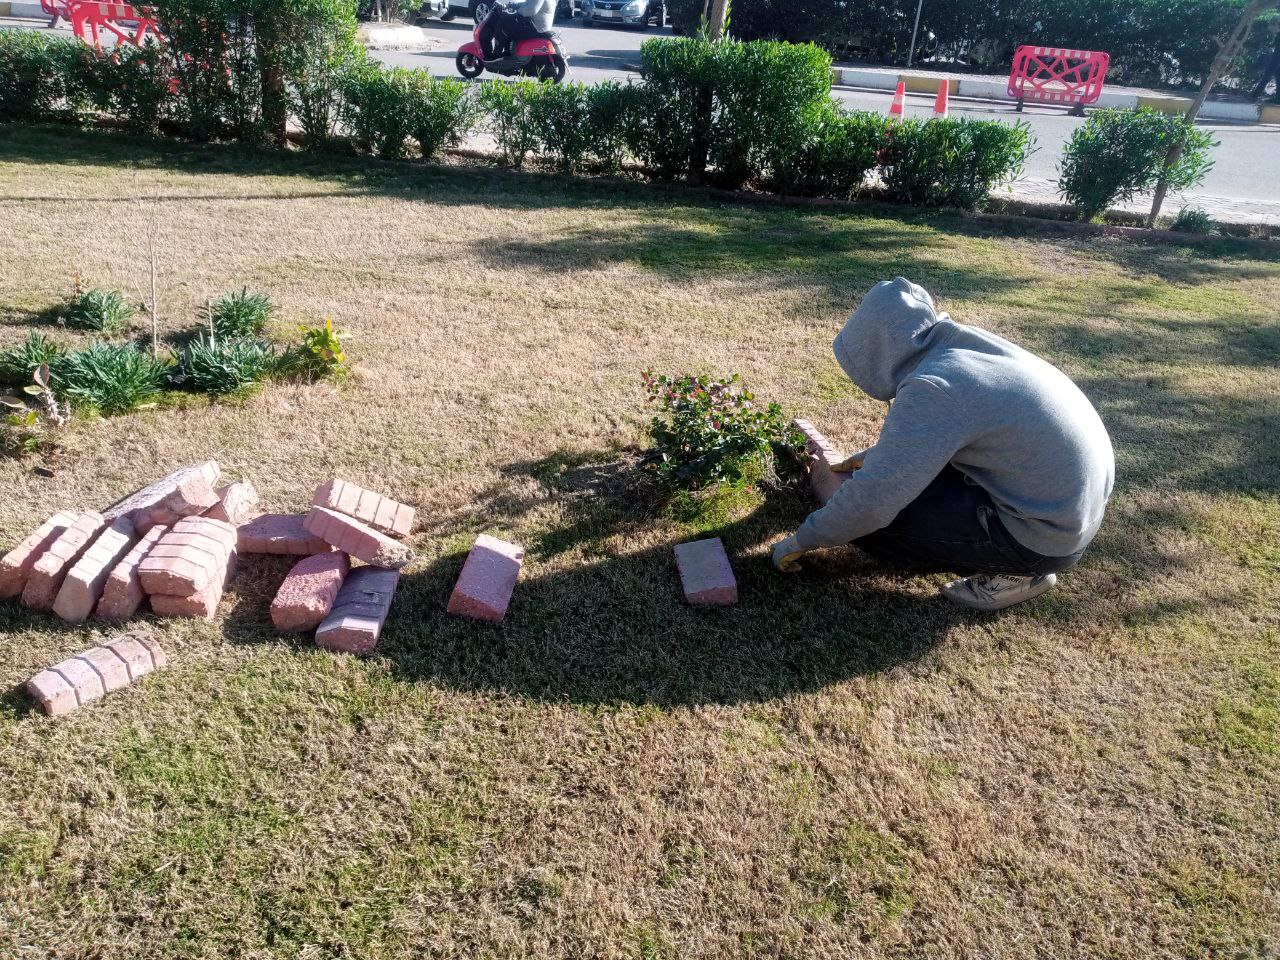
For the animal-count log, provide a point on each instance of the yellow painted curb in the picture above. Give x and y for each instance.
(927, 84)
(1165, 104)
(1270, 115)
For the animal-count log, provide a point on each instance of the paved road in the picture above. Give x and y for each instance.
(1247, 161)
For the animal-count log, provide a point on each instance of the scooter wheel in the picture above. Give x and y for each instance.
(548, 68)
(469, 65)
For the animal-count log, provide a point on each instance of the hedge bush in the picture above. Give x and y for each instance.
(728, 113)
(740, 108)
(581, 127)
(840, 149)
(384, 109)
(1116, 155)
(953, 162)
(34, 68)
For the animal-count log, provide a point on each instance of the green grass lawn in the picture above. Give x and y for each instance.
(844, 765)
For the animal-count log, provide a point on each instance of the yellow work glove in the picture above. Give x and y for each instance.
(850, 463)
(787, 554)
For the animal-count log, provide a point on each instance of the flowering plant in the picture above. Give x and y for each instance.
(710, 430)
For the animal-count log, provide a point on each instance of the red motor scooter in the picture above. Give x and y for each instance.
(541, 56)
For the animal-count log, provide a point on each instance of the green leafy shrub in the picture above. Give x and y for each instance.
(670, 128)
(742, 108)
(709, 430)
(1116, 155)
(841, 148)
(320, 354)
(508, 109)
(385, 108)
(130, 83)
(213, 365)
(580, 127)
(1193, 220)
(29, 422)
(18, 363)
(951, 162)
(240, 64)
(34, 70)
(240, 314)
(103, 311)
(765, 94)
(109, 378)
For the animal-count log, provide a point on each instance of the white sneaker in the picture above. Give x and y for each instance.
(996, 591)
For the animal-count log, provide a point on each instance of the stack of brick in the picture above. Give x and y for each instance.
(176, 541)
(346, 607)
(189, 567)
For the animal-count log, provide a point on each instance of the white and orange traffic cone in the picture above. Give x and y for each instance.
(941, 105)
(899, 107)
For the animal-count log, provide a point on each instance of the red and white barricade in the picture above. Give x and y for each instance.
(1058, 75)
(127, 23)
(56, 9)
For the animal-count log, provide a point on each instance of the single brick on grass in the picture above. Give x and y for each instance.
(83, 586)
(190, 557)
(45, 579)
(706, 574)
(98, 671)
(235, 503)
(488, 578)
(382, 513)
(359, 540)
(309, 591)
(122, 594)
(280, 533)
(821, 456)
(355, 622)
(183, 493)
(16, 565)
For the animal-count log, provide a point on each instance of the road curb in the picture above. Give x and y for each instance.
(994, 89)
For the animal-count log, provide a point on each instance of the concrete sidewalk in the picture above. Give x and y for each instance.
(971, 86)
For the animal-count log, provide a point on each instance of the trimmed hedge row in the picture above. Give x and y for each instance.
(729, 114)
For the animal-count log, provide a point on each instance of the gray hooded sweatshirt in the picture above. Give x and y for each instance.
(1010, 422)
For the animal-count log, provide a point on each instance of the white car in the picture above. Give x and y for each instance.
(477, 10)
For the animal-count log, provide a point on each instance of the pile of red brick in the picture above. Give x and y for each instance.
(175, 543)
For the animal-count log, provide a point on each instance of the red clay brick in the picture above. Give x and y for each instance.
(186, 491)
(122, 594)
(110, 669)
(235, 503)
(90, 675)
(139, 656)
(488, 578)
(53, 692)
(84, 584)
(822, 456)
(16, 565)
(356, 620)
(706, 573)
(49, 571)
(380, 512)
(83, 677)
(202, 603)
(360, 541)
(309, 591)
(280, 533)
(190, 557)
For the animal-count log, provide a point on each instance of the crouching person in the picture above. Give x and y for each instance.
(990, 463)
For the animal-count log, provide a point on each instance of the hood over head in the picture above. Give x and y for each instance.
(886, 337)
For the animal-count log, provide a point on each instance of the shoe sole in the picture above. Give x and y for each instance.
(1049, 582)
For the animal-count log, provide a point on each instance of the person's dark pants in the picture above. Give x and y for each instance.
(510, 30)
(1270, 69)
(953, 526)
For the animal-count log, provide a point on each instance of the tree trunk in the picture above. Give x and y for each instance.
(715, 20)
(1227, 51)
